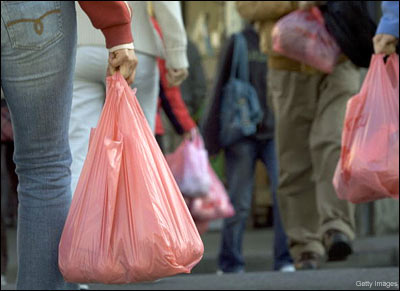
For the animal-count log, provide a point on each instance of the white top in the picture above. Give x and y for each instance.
(145, 37)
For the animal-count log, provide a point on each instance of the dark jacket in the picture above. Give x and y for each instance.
(194, 88)
(210, 125)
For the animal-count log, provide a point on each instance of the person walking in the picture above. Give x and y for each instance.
(89, 78)
(309, 108)
(241, 158)
(38, 46)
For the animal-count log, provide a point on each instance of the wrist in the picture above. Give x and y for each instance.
(128, 46)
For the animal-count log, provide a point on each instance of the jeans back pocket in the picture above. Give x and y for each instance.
(32, 25)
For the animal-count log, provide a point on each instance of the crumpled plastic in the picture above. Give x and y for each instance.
(215, 205)
(368, 169)
(128, 221)
(189, 164)
(302, 36)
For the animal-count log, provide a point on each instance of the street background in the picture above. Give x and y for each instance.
(376, 249)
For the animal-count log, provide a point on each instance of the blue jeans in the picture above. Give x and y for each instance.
(240, 164)
(37, 65)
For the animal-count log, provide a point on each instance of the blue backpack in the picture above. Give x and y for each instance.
(240, 107)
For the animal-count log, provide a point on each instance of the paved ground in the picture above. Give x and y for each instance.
(369, 252)
(316, 280)
(376, 259)
(343, 279)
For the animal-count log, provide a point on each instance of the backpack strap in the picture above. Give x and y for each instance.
(240, 60)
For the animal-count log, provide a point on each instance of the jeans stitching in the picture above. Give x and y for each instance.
(37, 23)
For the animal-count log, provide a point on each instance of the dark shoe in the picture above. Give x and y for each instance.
(308, 261)
(338, 245)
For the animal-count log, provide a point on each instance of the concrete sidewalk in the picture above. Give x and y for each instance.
(343, 279)
(370, 252)
(312, 280)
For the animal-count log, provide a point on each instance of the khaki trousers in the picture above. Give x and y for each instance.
(309, 113)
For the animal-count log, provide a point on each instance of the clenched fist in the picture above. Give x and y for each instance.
(124, 61)
(176, 76)
(385, 44)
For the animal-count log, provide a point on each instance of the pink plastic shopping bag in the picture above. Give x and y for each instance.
(369, 164)
(302, 36)
(215, 205)
(189, 165)
(128, 221)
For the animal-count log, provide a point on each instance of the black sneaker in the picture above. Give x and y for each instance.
(338, 245)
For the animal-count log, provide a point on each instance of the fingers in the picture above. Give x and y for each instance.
(187, 135)
(176, 76)
(385, 44)
(388, 49)
(128, 72)
(124, 61)
(170, 80)
(131, 78)
(118, 57)
(110, 71)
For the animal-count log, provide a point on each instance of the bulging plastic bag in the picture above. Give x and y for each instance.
(215, 205)
(369, 164)
(189, 165)
(128, 221)
(302, 36)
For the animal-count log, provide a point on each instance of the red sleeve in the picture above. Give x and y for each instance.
(174, 99)
(159, 125)
(174, 106)
(113, 18)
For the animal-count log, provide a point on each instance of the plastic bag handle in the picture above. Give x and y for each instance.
(197, 139)
(240, 58)
(392, 70)
(371, 73)
(378, 68)
(349, 133)
(316, 12)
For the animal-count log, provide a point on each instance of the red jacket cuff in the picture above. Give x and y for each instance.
(116, 35)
